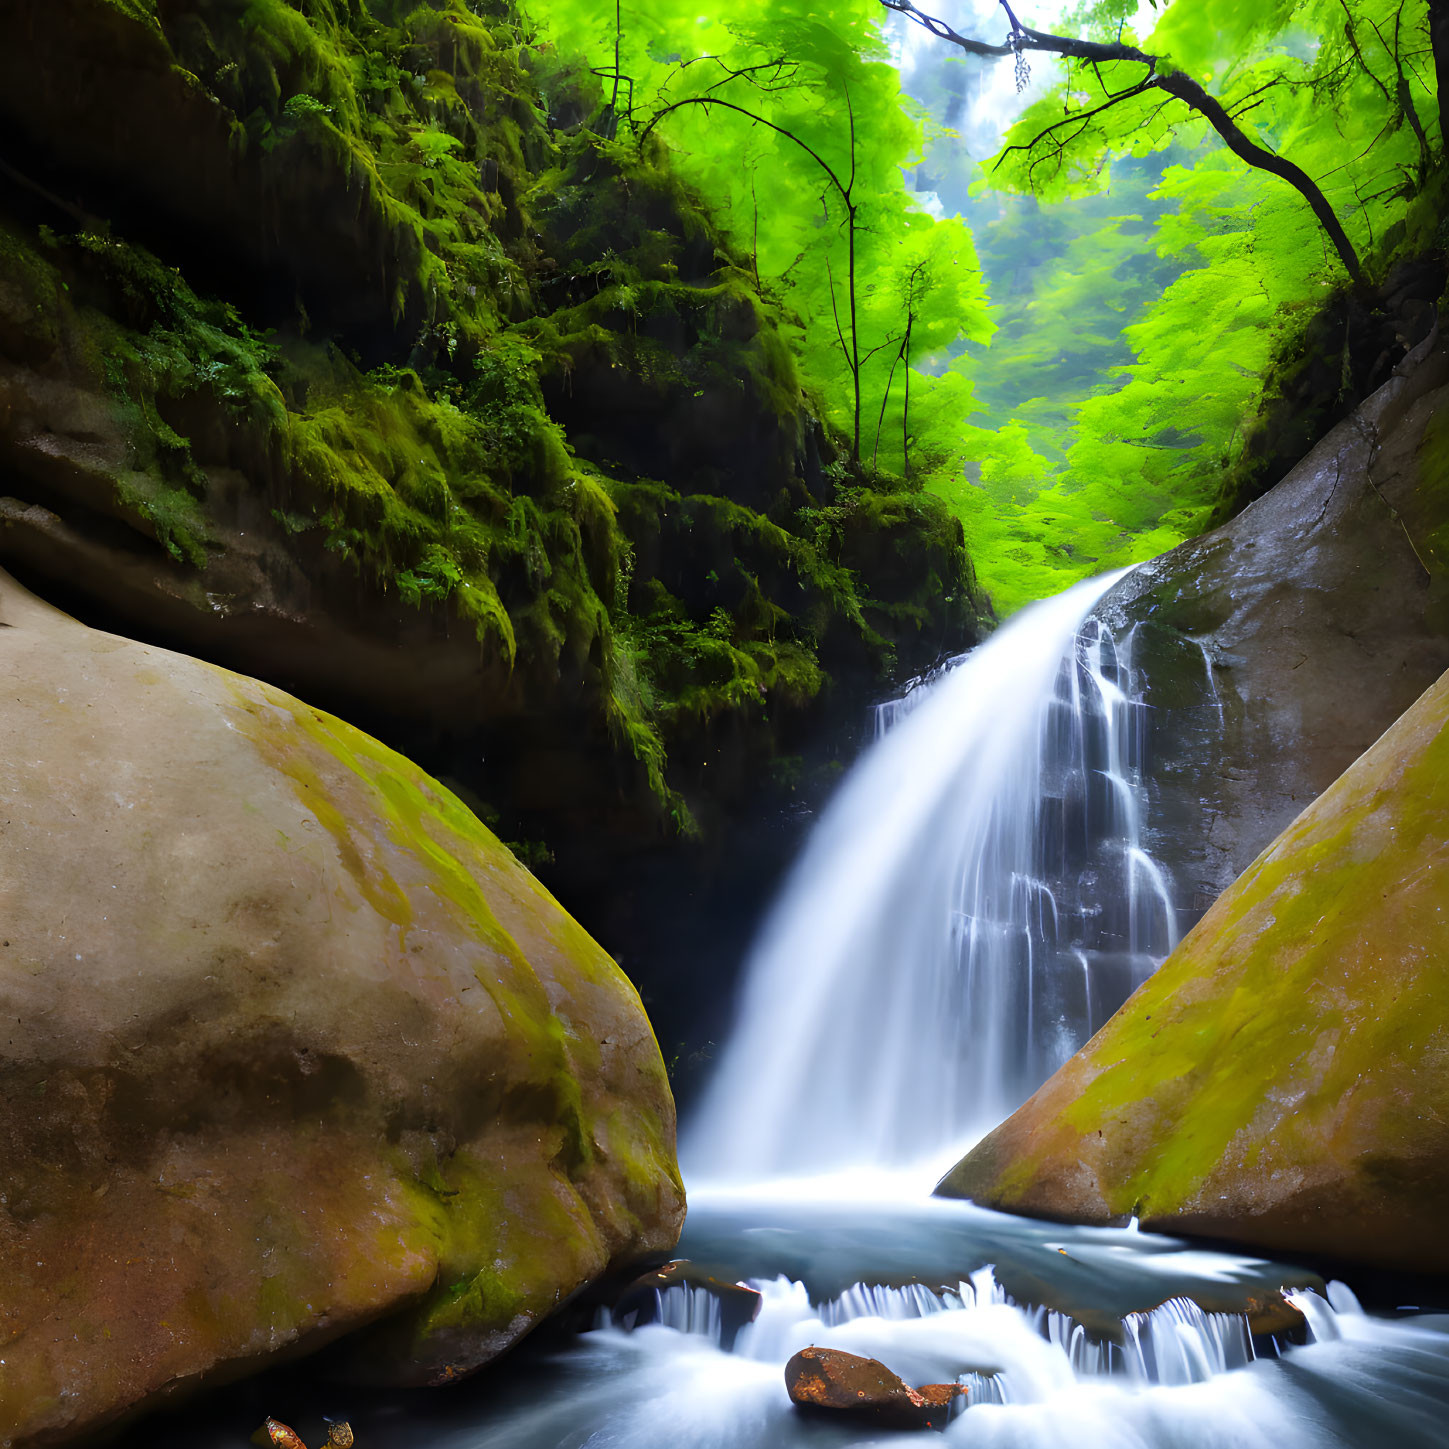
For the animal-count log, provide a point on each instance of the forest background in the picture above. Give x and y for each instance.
(1061, 330)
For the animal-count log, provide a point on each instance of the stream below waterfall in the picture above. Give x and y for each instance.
(1176, 1378)
(980, 895)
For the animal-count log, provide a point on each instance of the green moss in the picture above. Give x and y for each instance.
(494, 262)
(497, 1267)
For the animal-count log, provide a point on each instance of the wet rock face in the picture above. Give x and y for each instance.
(835, 1382)
(1283, 1080)
(298, 1046)
(1278, 647)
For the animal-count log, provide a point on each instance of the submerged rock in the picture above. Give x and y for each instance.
(284, 1436)
(1283, 1080)
(643, 1302)
(295, 1044)
(838, 1382)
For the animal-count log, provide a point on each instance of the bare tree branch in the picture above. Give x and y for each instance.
(1174, 83)
(1075, 116)
(759, 120)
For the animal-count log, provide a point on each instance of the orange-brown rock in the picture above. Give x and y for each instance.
(283, 1436)
(835, 1382)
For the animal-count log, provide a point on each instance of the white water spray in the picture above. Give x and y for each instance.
(976, 896)
(1178, 1377)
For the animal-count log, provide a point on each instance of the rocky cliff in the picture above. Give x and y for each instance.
(1278, 647)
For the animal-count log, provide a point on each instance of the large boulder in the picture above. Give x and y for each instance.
(293, 1044)
(1283, 1080)
(1279, 647)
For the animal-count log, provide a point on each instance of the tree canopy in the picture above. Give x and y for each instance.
(1070, 360)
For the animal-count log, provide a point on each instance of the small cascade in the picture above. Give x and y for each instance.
(687, 1309)
(975, 901)
(1036, 1379)
(1175, 1344)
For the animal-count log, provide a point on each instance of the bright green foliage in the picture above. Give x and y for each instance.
(804, 169)
(1141, 298)
(1134, 463)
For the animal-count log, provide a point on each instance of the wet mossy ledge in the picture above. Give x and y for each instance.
(1281, 1081)
(307, 1052)
(335, 346)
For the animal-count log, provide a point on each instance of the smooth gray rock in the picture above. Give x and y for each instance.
(1278, 647)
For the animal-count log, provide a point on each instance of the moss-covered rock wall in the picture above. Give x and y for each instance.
(335, 347)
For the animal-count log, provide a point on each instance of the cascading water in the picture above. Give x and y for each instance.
(1174, 1377)
(975, 900)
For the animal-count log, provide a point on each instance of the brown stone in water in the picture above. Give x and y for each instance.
(941, 1395)
(830, 1380)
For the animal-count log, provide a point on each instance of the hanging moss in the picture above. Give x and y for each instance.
(499, 370)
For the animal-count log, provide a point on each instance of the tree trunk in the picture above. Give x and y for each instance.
(1439, 41)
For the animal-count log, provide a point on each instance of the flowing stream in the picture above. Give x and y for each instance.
(979, 896)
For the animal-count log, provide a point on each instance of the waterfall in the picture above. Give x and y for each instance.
(975, 900)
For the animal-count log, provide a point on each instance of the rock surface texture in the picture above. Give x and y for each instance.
(1283, 1080)
(293, 1045)
(1278, 647)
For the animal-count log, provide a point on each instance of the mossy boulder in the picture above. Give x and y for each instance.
(294, 1045)
(1283, 1080)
